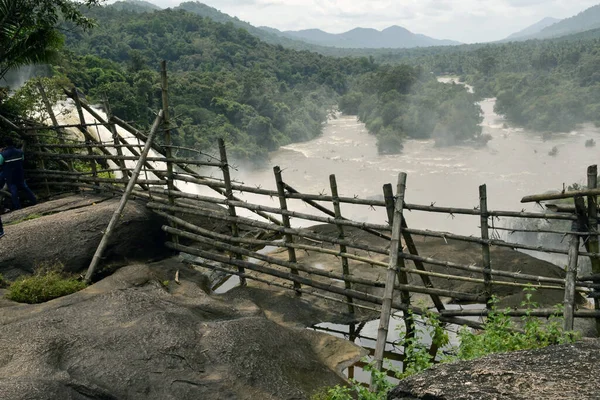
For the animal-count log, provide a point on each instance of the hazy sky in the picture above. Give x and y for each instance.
(463, 20)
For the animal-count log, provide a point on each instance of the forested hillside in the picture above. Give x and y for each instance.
(226, 83)
(542, 85)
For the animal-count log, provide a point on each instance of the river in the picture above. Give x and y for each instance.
(515, 163)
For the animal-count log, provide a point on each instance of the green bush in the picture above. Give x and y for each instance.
(501, 334)
(43, 286)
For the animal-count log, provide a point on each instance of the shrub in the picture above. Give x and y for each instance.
(43, 286)
(501, 334)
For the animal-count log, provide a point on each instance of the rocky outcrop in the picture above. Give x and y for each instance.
(68, 231)
(139, 335)
(552, 373)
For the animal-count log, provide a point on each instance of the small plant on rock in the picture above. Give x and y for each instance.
(46, 284)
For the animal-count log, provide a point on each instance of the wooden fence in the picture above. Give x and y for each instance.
(68, 161)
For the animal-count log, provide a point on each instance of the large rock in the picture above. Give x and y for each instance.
(134, 336)
(552, 373)
(68, 231)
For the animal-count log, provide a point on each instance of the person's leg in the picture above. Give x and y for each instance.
(29, 193)
(1, 228)
(14, 192)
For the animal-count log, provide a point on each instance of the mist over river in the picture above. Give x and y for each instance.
(514, 163)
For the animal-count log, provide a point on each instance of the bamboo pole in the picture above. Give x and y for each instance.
(85, 146)
(286, 220)
(563, 195)
(294, 214)
(117, 214)
(540, 313)
(127, 158)
(593, 245)
(395, 248)
(492, 242)
(344, 261)
(167, 128)
(115, 135)
(571, 278)
(86, 134)
(401, 274)
(235, 232)
(411, 246)
(409, 324)
(116, 181)
(214, 241)
(260, 243)
(310, 292)
(271, 227)
(332, 214)
(316, 284)
(485, 247)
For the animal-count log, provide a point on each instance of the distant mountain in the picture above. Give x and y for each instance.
(134, 5)
(584, 21)
(268, 35)
(393, 37)
(533, 29)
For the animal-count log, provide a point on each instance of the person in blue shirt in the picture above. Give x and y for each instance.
(11, 160)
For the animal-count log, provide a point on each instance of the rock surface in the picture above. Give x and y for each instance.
(135, 336)
(552, 373)
(68, 230)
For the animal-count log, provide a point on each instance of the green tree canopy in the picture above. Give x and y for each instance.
(29, 32)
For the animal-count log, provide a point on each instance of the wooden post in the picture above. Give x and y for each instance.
(286, 223)
(117, 214)
(166, 122)
(395, 248)
(592, 240)
(86, 134)
(115, 134)
(570, 279)
(338, 215)
(168, 153)
(229, 194)
(388, 195)
(485, 247)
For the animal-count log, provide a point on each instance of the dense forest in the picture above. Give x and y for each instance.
(224, 82)
(398, 102)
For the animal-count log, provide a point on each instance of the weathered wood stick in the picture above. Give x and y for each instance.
(344, 261)
(332, 214)
(563, 195)
(592, 243)
(540, 313)
(289, 238)
(492, 242)
(571, 278)
(235, 231)
(395, 248)
(257, 224)
(215, 240)
(318, 285)
(117, 214)
(304, 290)
(119, 181)
(288, 213)
(485, 247)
